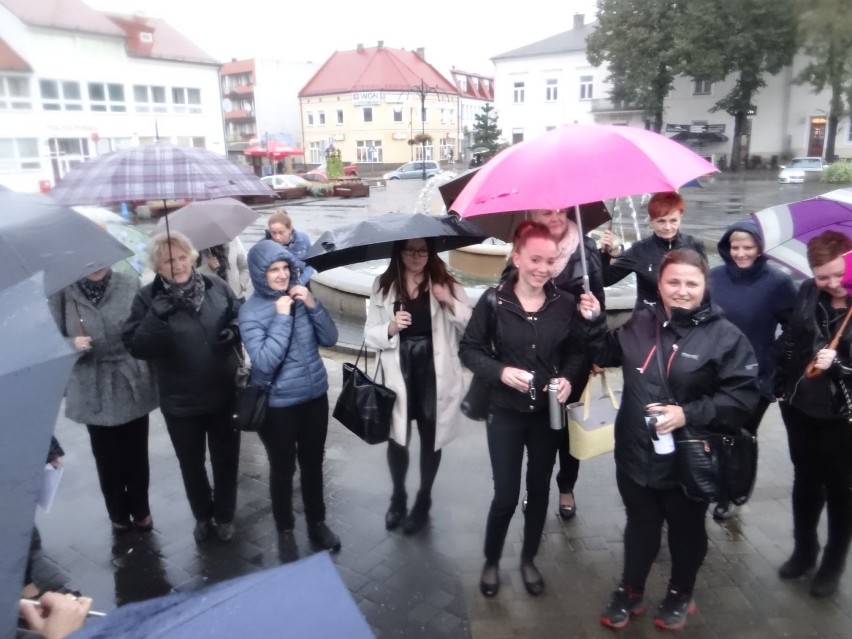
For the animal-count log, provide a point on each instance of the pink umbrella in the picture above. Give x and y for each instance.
(576, 164)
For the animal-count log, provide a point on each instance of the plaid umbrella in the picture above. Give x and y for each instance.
(157, 172)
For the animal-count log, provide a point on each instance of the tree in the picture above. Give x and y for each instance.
(750, 38)
(637, 40)
(825, 32)
(485, 130)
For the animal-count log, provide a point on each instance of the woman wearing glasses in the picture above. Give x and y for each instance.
(418, 312)
(532, 334)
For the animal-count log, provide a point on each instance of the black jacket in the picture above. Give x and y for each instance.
(194, 367)
(712, 374)
(550, 342)
(811, 328)
(644, 258)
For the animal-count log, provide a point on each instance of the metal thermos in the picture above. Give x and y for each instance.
(557, 416)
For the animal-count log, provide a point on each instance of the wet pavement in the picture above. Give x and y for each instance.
(425, 585)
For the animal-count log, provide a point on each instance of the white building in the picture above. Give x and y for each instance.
(76, 83)
(475, 91)
(551, 82)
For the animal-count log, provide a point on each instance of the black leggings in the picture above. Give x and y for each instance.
(647, 509)
(418, 371)
(821, 450)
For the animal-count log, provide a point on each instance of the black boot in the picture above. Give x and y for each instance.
(802, 560)
(827, 577)
(418, 517)
(396, 512)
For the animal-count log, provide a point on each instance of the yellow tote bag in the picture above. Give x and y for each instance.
(591, 422)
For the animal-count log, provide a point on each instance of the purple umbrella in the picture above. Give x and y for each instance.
(786, 228)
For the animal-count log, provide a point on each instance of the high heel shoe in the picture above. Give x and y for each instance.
(489, 582)
(567, 511)
(532, 579)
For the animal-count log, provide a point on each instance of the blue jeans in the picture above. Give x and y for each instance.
(509, 432)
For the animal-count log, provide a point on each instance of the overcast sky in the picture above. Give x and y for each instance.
(464, 33)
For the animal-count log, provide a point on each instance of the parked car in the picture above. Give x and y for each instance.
(801, 169)
(287, 187)
(414, 171)
(350, 169)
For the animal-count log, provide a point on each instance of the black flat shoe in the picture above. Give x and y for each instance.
(489, 582)
(288, 551)
(394, 517)
(533, 581)
(568, 512)
(321, 535)
(418, 516)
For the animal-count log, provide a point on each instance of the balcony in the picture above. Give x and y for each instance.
(239, 90)
(606, 105)
(239, 115)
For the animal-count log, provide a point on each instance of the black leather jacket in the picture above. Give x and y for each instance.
(811, 328)
(551, 342)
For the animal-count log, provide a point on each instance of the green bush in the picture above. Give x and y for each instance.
(838, 173)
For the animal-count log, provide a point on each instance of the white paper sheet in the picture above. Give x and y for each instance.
(49, 486)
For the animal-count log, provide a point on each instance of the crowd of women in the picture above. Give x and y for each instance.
(701, 346)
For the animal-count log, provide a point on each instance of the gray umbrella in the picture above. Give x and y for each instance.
(373, 239)
(210, 222)
(34, 368)
(37, 234)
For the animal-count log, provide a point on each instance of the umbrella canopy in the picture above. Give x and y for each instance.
(157, 172)
(373, 239)
(209, 223)
(126, 233)
(255, 150)
(502, 225)
(787, 228)
(577, 164)
(302, 599)
(37, 234)
(34, 369)
(279, 150)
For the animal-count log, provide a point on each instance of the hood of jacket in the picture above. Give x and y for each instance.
(749, 226)
(261, 256)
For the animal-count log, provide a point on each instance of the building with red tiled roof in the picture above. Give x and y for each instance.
(369, 103)
(76, 83)
(475, 91)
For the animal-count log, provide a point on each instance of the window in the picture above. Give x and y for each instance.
(422, 152)
(310, 116)
(185, 140)
(462, 84)
(397, 114)
(321, 116)
(316, 152)
(518, 96)
(340, 116)
(368, 151)
(149, 99)
(60, 95)
(517, 135)
(701, 87)
(447, 149)
(551, 90)
(587, 87)
(106, 97)
(186, 100)
(19, 154)
(368, 114)
(15, 94)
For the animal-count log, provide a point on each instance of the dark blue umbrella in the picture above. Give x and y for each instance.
(306, 599)
(34, 367)
(37, 234)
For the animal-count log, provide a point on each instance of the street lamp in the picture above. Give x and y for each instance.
(422, 91)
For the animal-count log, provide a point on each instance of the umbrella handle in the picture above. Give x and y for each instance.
(811, 371)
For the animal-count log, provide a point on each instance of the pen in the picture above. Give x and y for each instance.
(91, 613)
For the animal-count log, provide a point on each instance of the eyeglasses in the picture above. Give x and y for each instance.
(411, 252)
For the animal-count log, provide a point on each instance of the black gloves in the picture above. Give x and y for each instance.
(163, 305)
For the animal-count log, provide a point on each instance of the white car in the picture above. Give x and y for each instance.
(284, 181)
(801, 169)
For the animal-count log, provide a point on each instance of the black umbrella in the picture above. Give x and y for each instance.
(37, 234)
(34, 369)
(502, 225)
(373, 239)
(302, 599)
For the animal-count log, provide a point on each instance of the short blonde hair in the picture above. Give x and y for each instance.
(280, 217)
(158, 248)
(739, 236)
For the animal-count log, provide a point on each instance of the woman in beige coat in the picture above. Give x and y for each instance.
(418, 312)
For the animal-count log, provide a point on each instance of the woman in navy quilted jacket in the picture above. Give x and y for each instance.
(283, 325)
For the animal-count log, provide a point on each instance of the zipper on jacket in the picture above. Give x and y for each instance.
(671, 358)
(642, 368)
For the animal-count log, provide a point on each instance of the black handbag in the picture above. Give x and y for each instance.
(365, 405)
(475, 403)
(714, 465)
(252, 400)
